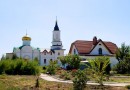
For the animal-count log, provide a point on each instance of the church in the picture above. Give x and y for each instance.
(26, 51)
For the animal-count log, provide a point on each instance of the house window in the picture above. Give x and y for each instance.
(45, 61)
(44, 53)
(74, 51)
(58, 53)
(100, 51)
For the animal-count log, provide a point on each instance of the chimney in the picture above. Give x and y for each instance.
(94, 40)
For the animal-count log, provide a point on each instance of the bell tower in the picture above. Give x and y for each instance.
(56, 41)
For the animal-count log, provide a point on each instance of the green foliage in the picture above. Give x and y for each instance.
(63, 60)
(65, 75)
(98, 68)
(51, 68)
(123, 67)
(72, 60)
(80, 80)
(20, 67)
(123, 52)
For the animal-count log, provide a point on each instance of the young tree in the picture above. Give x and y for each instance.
(80, 80)
(73, 61)
(98, 68)
(63, 60)
(123, 52)
(51, 68)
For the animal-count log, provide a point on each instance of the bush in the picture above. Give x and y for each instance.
(19, 67)
(123, 67)
(80, 80)
(51, 68)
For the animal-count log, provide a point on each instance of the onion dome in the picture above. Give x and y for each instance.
(26, 38)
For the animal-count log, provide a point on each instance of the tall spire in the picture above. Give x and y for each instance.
(56, 28)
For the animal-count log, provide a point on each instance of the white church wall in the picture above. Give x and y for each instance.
(36, 54)
(26, 52)
(17, 52)
(56, 35)
(48, 57)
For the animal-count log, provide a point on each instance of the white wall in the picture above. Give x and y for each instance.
(56, 35)
(36, 54)
(72, 52)
(113, 60)
(48, 56)
(95, 51)
(26, 52)
(17, 52)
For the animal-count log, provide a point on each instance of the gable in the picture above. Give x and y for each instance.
(100, 45)
(73, 50)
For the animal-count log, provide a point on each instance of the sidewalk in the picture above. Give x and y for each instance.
(51, 78)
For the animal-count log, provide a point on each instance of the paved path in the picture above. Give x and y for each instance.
(51, 78)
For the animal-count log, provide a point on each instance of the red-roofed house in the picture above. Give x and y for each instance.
(92, 49)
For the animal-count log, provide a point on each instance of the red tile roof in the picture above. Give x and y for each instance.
(85, 47)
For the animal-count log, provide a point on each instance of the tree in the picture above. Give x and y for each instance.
(73, 61)
(123, 52)
(63, 60)
(51, 69)
(80, 80)
(98, 68)
(123, 67)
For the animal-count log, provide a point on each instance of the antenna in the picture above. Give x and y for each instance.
(56, 18)
(26, 32)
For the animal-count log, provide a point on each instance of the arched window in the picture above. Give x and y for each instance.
(74, 51)
(45, 61)
(100, 51)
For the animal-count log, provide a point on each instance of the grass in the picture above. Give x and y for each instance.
(24, 82)
(120, 79)
(17, 82)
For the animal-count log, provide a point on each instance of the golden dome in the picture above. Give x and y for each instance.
(26, 38)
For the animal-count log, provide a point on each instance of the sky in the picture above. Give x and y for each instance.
(109, 20)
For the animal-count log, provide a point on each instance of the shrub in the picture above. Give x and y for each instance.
(123, 67)
(20, 67)
(51, 69)
(80, 80)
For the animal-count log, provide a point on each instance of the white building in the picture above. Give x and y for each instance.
(26, 51)
(91, 49)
